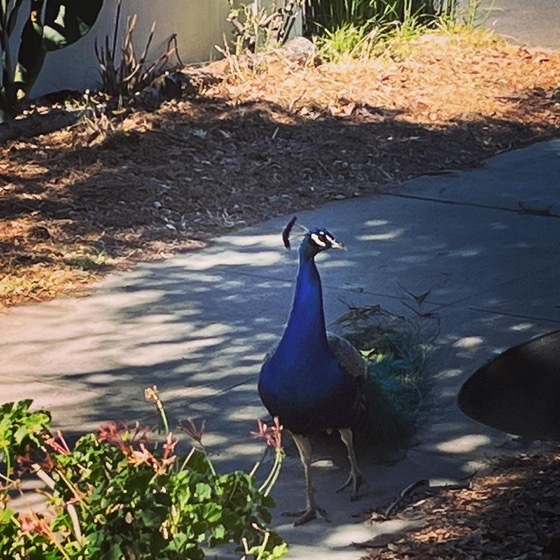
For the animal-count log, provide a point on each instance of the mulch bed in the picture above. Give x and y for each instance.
(256, 139)
(513, 512)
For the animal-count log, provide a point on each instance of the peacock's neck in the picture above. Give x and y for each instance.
(306, 323)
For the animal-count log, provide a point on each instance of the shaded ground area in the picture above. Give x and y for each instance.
(512, 512)
(258, 140)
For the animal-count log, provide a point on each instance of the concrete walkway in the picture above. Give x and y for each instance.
(485, 242)
(535, 23)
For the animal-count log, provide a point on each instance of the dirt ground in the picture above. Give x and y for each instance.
(248, 141)
(512, 512)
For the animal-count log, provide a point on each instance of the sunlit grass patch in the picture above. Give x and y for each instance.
(349, 41)
(88, 262)
(50, 276)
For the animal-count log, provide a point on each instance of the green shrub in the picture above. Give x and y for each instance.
(124, 494)
(361, 29)
(332, 14)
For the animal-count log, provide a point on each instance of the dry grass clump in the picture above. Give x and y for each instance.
(443, 80)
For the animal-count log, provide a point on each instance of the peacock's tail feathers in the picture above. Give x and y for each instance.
(394, 347)
(392, 403)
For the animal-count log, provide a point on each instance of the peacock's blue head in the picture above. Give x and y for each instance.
(314, 242)
(320, 239)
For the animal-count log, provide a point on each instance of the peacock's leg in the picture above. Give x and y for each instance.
(313, 510)
(355, 477)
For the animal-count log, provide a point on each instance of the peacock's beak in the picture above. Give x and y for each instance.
(337, 245)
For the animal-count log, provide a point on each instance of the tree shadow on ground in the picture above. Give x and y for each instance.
(205, 167)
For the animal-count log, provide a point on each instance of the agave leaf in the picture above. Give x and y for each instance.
(51, 25)
(12, 17)
(31, 56)
(66, 21)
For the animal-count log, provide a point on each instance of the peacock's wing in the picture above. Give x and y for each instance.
(349, 359)
(270, 353)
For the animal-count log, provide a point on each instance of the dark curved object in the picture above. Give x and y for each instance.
(287, 231)
(518, 392)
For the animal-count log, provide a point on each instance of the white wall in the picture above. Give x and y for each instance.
(199, 24)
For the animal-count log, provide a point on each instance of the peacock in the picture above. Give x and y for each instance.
(314, 380)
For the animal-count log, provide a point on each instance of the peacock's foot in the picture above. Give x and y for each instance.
(307, 515)
(355, 480)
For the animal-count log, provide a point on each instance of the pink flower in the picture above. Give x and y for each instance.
(33, 523)
(122, 437)
(189, 427)
(61, 447)
(272, 435)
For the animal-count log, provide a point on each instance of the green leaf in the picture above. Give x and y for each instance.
(199, 462)
(203, 491)
(51, 25)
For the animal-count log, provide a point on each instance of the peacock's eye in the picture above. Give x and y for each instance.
(322, 239)
(319, 239)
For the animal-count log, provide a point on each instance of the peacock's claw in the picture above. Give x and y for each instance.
(356, 481)
(307, 515)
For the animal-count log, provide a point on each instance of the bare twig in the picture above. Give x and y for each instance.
(403, 495)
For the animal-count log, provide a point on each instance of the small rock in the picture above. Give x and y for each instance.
(302, 51)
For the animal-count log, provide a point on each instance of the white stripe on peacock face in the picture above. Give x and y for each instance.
(323, 239)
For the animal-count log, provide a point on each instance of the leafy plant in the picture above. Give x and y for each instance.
(329, 15)
(123, 493)
(259, 27)
(459, 17)
(348, 41)
(20, 430)
(359, 29)
(50, 25)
